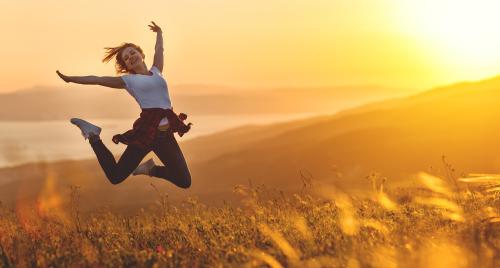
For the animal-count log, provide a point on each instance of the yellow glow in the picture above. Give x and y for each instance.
(463, 32)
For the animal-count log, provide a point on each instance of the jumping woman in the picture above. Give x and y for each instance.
(153, 130)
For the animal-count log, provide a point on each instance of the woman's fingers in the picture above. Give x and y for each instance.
(63, 77)
(154, 27)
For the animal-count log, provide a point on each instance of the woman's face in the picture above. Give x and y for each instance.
(132, 58)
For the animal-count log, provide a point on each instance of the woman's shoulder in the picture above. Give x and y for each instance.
(155, 70)
(130, 80)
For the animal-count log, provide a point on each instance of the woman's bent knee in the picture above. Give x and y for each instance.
(116, 178)
(185, 181)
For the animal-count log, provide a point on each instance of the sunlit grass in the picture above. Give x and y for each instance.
(435, 226)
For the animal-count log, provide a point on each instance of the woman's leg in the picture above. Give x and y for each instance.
(117, 172)
(175, 169)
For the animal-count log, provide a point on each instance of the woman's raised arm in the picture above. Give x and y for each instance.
(107, 81)
(158, 58)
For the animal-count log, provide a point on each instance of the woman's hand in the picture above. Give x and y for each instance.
(63, 77)
(155, 28)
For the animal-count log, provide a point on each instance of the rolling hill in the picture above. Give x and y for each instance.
(395, 138)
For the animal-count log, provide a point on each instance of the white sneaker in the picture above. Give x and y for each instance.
(144, 168)
(86, 127)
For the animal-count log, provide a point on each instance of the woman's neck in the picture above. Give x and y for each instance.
(142, 69)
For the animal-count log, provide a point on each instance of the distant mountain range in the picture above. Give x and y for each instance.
(44, 103)
(395, 138)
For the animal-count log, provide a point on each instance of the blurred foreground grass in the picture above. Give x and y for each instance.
(443, 224)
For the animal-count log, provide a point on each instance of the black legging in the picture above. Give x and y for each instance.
(164, 146)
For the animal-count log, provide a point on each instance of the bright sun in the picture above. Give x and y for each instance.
(465, 31)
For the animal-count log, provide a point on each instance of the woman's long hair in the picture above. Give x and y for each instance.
(116, 52)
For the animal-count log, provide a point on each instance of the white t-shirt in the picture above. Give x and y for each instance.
(150, 91)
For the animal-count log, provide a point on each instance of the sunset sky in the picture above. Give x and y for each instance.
(404, 45)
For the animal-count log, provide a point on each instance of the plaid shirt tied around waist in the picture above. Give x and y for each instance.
(145, 128)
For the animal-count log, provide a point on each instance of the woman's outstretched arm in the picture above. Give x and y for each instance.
(158, 58)
(107, 81)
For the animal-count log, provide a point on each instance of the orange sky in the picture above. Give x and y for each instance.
(401, 44)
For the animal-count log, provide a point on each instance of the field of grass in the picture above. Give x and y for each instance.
(446, 223)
